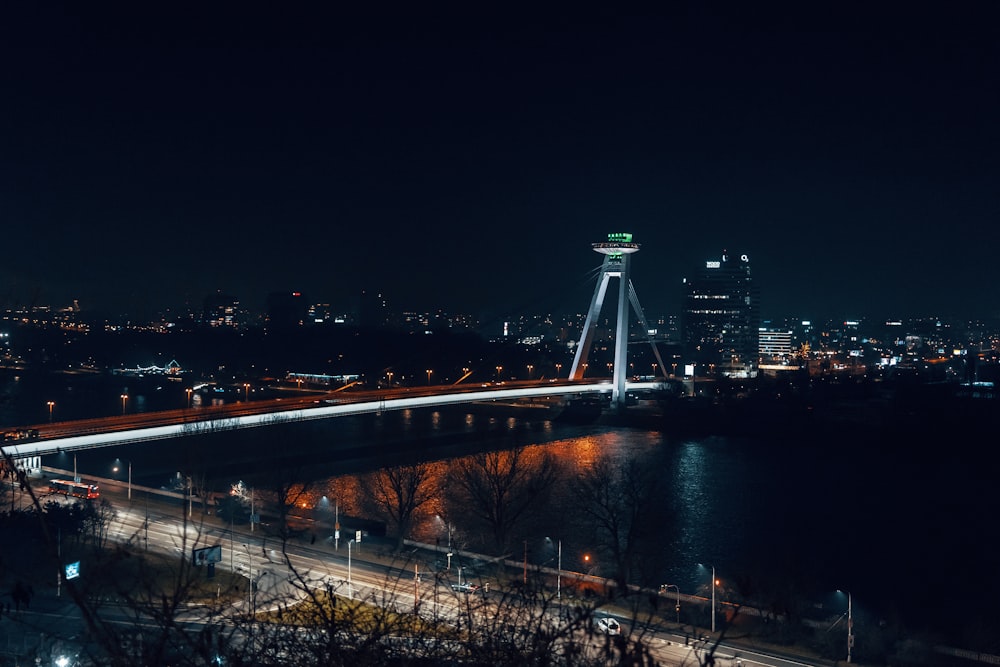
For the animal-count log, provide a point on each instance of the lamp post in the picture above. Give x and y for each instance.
(124, 399)
(714, 582)
(189, 390)
(558, 369)
(350, 583)
(115, 469)
(677, 606)
(499, 369)
(246, 392)
(559, 573)
(713, 598)
(850, 627)
(530, 372)
(429, 372)
(51, 405)
(250, 577)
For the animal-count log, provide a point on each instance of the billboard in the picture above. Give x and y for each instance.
(206, 555)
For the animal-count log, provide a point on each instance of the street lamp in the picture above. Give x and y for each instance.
(51, 405)
(189, 390)
(350, 584)
(250, 596)
(559, 573)
(558, 369)
(850, 626)
(246, 392)
(714, 583)
(499, 370)
(530, 369)
(124, 398)
(677, 606)
(115, 469)
(558, 569)
(429, 371)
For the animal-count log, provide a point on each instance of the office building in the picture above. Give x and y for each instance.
(721, 319)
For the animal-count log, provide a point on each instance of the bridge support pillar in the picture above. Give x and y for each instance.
(617, 252)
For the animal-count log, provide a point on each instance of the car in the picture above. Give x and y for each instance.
(608, 625)
(465, 588)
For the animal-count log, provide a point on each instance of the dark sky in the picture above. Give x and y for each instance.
(467, 160)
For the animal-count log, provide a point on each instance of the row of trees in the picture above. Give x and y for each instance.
(155, 609)
(493, 497)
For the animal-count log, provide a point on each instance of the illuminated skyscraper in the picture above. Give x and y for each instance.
(722, 318)
(221, 310)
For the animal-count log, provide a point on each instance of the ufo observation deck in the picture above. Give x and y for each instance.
(617, 244)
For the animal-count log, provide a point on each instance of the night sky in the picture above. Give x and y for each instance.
(466, 159)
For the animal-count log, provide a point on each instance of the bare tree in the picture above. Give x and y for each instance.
(500, 487)
(612, 497)
(401, 493)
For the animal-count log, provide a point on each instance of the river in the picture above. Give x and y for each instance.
(904, 526)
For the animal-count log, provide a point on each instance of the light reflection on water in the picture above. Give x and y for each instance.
(820, 511)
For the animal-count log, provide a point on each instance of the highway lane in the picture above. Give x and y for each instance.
(164, 529)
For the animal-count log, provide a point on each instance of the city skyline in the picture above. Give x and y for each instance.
(468, 161)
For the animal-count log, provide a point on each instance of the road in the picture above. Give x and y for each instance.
(161, 527)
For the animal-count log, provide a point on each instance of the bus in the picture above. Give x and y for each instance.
(75, 489)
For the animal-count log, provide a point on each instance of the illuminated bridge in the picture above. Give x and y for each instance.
(142, 427)
(91, 433)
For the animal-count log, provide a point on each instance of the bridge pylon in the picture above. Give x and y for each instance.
(617, 251)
